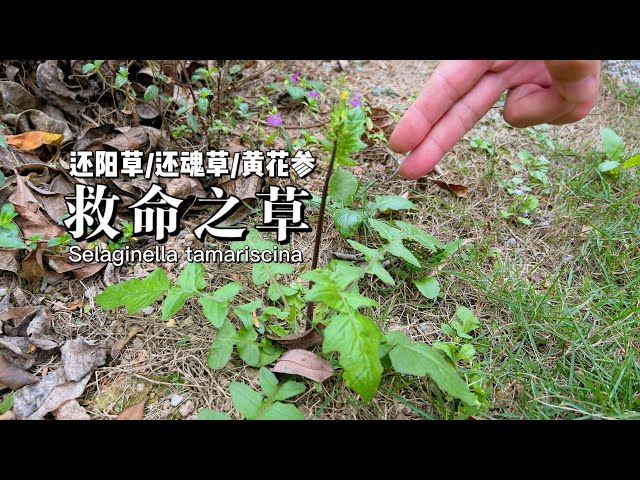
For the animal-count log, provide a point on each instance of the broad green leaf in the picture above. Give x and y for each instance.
(246, 400)
(276, 312)
(245, 312)
(343, 187)
(135, 294)
(392, 202)
(261, 270)
(420, 359)
(428, 286)
(272, 137)
(628, 163)
(332, 295)
(612, 144)
(394, 236)
(6, 404)
(356, 338)
(192, 277)
(297, 93)
(469, 321)
(466, 352)
(373, 256)
(222, 346)
(193, 122)
(608, 166)
(203, 105)
(268, 381)
(9, 237)
(396, 337)
(208, 414)
(275, 290)
(214, 311)
(2, 177)
(347, 221)
(88, 67)
(235, 69)
(227, 292)
(247, 346)
(151, 93)
(267, 357)
(281, 411)
(120, 80)
(174, 301)
(289, 389)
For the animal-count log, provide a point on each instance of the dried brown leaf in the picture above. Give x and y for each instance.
(35, 139)
(458, 190)
(122, 342)
(32, 267)
(80, 358)
(133, 412)
(304, 363)
(14, 377)
(301, 340)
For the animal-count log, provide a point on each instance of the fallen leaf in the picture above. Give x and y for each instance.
(80, 358)
(33, 402)
(35, 139)
(32, 267)
(53, 89)
(301, 340)
(38, 120)
(458, 190)
(17, 96)
(18, 345)
(304, 363)
(9, 261)
(75, 305)
(133, 412)
(122, 342)
(35, 223)
(14, 377)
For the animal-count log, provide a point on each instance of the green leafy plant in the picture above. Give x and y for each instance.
(481, 143)
(6, 404)
(9, 232)
(265, 405)
(614, 149)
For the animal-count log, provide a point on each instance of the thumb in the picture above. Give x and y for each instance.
(577, 81)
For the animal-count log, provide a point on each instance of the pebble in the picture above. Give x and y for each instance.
(187, 408)
(424, 327)
(176, 400)
(140, 387)
(511, 243)
(148, 310)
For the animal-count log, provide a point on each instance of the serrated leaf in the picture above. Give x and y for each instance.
(375, 266)
(135, 294)
(343, 187)
(348, 126)
(247, 346)
(245, 312)
(633, 161)
(612, 144)
(418, 235)
(246, 400)
(151, 93)
(203, 105)
(356, 338)
(420, 359)
(192, 277)
(392, 202)
(347, 221)
(275, 290)
(9, 237)
(227, 292)
(222, 346)
(261, 270)
(281, 411)
(331, 294)
(208, 414)
(214, 311)
(428, 286)
(174, 301)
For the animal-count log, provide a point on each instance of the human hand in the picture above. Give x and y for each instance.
(460, 92)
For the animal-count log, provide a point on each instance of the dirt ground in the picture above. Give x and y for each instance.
(166, 363)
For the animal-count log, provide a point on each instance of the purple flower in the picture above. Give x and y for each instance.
(294, 78)
(356, 102)
(518, 191)
(313, 94)
(274, 120)
(525, 214)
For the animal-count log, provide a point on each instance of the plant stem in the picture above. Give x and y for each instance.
(316, 247)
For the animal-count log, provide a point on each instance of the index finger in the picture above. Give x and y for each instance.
(447, 84)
